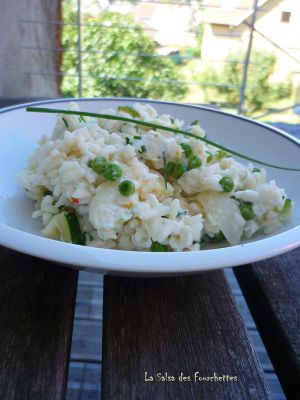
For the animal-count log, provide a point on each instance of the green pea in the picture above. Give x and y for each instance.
(194, 162)
(247, 211)
(112, 172)
(227, 184)
(127, 188)
(179, 170)
(156, 246)
(98, 164)
(219, 237)
(187, 149)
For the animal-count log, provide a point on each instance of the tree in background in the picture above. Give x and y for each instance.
(260, 90)
(120, 60)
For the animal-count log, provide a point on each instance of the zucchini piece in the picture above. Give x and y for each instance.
(66, 226)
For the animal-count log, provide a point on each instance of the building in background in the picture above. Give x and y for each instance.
(226, 30)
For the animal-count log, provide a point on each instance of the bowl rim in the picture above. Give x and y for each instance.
(120, 261)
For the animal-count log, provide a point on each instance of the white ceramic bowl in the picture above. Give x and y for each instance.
(20, 131)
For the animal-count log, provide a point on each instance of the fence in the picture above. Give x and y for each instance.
(250, 13)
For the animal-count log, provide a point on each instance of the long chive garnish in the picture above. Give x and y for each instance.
(165, 170)
(157, 126)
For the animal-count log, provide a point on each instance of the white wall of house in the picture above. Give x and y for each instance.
(269, 22)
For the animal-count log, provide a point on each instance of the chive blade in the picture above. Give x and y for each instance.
(157, 126)
(165, 170)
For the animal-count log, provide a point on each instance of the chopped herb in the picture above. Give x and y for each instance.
(129, 110)
(47, 192)
(195, 122)
(81, 119)
(187, 149)
(157, 126)
(256, 170)
(143, 149)
(65, 122)
(137, 137)
(181, 213)
(128, 141)
(165, 170)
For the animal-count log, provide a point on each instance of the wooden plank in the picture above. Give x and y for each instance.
(36, 315)
(272, 291)
(186, 325)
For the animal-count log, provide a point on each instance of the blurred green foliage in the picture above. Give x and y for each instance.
(119, 59)
(260, 90)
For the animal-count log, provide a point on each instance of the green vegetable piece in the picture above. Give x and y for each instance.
(47, 192)
(129, 110)
(65, 122)
(227, 184)
(165, 172)
(247, 211)
(194, 162)
(98, 164)
(187, 149)
(137, 137)
(209, 157)
(170, 167)
(86, 237)
(127, 188)
(181, 213)
(81, 119)
(128, 141)
(286, 209)
(220, 154)
(219, 237)
(179, 170)
(195, 122)
(68, 226)
(143, 149)
(112, 172)
(256, 170)
(156, 246)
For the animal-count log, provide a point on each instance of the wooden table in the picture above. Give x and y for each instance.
(167, 338)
